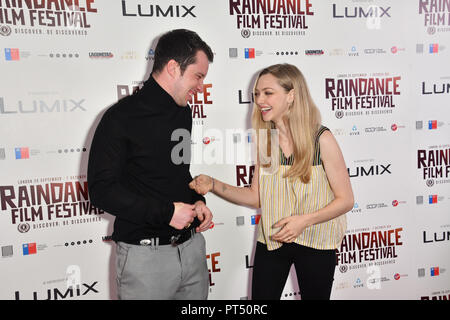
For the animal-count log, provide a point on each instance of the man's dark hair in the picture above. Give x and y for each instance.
(180, 45)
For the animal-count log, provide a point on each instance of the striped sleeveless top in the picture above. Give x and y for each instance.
(283, 197)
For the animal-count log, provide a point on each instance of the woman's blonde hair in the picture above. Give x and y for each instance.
(303, 120)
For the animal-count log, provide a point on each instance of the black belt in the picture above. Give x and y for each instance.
(165, 240)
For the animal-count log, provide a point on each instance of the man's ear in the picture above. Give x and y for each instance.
(173, 68)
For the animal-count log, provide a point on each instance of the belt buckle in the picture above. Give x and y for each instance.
(145, 242)
(174, 239)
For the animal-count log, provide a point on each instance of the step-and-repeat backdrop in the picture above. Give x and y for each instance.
(377, 69)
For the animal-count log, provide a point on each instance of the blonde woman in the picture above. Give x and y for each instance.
(302, 188)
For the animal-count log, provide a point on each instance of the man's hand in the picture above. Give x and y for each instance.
(183, 215)
(204, 215)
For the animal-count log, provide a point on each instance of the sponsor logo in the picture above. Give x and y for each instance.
(354, 95)
(435, 15)
(157, 11)
(22, 153)
(249, 53)
(46, 17)
(255, 219)
(12, 54)
(100, 55)
(373, 170)
(271, 17)
(29, 248)
(434, 165)
(43, 106)
(68, 292)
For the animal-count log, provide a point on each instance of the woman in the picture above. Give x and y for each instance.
(302, 187)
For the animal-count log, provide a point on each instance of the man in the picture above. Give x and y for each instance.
(160, 252)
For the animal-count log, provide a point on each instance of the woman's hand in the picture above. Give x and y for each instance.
(291, 228)
(202, 184)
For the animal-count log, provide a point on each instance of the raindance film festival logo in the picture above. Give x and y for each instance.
(47, 203)
(365, 248)
(358, 94)
(434, 165)
(436, 15)
(271, 17)
(45, 17)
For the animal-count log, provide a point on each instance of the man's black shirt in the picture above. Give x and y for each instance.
(130, 172)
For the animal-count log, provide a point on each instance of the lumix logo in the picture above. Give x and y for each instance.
(436, 236)
(61, 294)
(435, 88)
(43, 106)
(150, 10)
(360, 12)
(373, 170)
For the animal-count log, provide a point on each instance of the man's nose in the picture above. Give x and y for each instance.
(200, 86)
